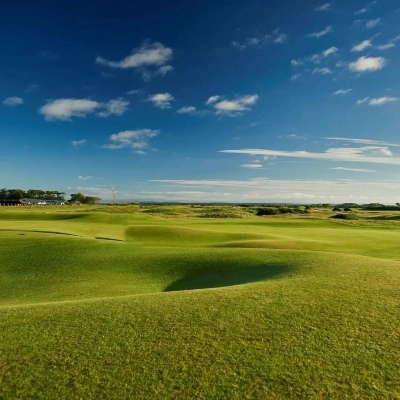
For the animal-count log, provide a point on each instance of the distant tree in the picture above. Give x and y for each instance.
(82, 199)
(77, 198)
(16, 194)
(91, 200)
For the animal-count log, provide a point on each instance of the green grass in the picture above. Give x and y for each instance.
(114, 302)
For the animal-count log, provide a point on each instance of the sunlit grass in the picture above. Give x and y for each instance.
(288, 307)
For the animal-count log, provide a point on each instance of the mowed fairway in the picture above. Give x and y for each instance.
(123, 303)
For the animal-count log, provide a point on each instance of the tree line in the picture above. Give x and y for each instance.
(18, 194)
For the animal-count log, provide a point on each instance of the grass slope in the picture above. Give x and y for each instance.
(290, 308)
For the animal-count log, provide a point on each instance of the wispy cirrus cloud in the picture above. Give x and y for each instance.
(367, 64)
(353, 169)
(317, 59)
(365, 44)
(365, 154)
(150, 58)
(377, 101)
(161, 100)
(328, 52)
(276, 37)
(232, 107)
(342, 92)
(84, 178)
(322, 33)
(295, 77)
(372, 23)
(361, 11)
(137, 140)
(252, 166)
(366, 8)
(322, 71)
(76, 143)
(13, 101)
(368, 142)
(388, 45)
(187, 110)
(323, 7)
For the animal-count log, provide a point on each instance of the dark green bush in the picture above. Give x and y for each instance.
(268, 211)
(344, 216)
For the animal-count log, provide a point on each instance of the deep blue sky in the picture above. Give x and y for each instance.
(216, 101)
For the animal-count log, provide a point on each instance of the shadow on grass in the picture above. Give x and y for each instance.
(384, 218)
(236, 275)
(106, 238)
(37, 231)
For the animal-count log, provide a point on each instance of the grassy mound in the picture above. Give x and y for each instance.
(310, 335)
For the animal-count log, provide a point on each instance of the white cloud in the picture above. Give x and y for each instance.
(322, 71)
(361, 11)
(281, 38)
(317, 58)
(382, 100)
(379, 101)
(372, 23)
(362, 101)
(165, 69)
(389, 44)
(78, 142)
(32, 87)
(296, 63)
(150, 58)
(342, 91)
(187, 110)
(233, 107)
(353, 169)
(64, 109)
(295, 77)
(13, 101)
(331, 50)
(135, 91)
(85, 178)
(386, 46)
(319, 34)
(276, 37)
(238, 45)
(161, 100)
(366, 154)
(148, 54)
(212, 99)
(323, 7)
(363, 141)
(362, 46)
(251, 166)
(367, 64)
(137, 140)
(114, 107)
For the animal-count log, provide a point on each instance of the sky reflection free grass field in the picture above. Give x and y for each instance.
(189, 308)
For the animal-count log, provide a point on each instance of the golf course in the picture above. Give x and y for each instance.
(198, 302)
